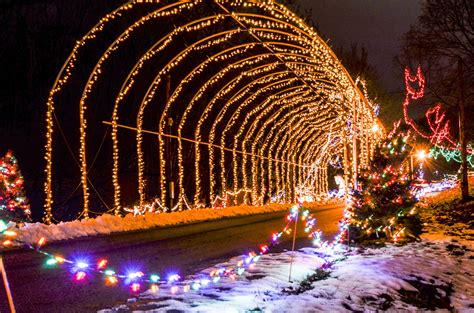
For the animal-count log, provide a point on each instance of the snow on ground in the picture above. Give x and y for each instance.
(434, 274)
(107, 224)
(388, 278)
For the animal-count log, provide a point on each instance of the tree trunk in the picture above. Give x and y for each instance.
(462, 135)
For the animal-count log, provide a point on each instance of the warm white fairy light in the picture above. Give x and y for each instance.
(277, 120)
(317, 174)
(288, 101)
(273, 143)
(274, 81)
(61, 79)
(294, 163)
(254, 161)
(234, 119)
(129, 82)
(284, 130)
(93, 78)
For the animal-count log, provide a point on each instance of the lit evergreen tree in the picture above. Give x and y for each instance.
(13, 201)
(383, 204)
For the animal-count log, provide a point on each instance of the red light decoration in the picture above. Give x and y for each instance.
(80, 276)
(102, 263)
(135, 287)
(437, 123)
(439, 132)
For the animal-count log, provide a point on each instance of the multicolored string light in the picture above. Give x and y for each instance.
(81, 268)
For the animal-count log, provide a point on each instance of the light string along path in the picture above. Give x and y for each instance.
(81, 268)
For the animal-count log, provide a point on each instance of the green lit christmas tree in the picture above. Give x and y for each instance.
(383, 204)
(13, 201)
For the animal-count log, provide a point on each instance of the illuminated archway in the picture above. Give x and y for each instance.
(245, 90)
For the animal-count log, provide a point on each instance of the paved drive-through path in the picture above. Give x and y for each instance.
(183, 249)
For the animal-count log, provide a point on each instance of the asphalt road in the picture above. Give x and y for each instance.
(183, 249)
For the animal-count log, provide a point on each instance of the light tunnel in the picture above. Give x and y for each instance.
(231, 101)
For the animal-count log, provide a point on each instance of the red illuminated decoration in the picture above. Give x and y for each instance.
(436, 119)
(439, 134)
(80, 276)
(102, 263)
(41, 242)
(135, 287)
(439, 131)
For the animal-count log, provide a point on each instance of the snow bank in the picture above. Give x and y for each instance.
(369, 280)
(107, 224)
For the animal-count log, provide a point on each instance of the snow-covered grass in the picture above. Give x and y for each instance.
(107, 224)
(434, 274)
(425, 275)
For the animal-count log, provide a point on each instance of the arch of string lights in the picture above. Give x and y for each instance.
(244, 89)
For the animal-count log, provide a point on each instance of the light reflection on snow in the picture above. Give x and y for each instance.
(360, 276)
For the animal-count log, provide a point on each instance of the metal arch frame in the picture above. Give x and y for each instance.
(288, 97)
(127, 85)
(60, 80)
(302, 32)
(242, 104)
(271, 137)
(242, 74)
(290, 139)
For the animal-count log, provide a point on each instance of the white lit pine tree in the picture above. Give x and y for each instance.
(383, 205)
(14, 204)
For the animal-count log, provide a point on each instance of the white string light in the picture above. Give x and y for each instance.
(278, 97)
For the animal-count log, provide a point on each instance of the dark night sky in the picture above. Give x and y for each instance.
(376, 24)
